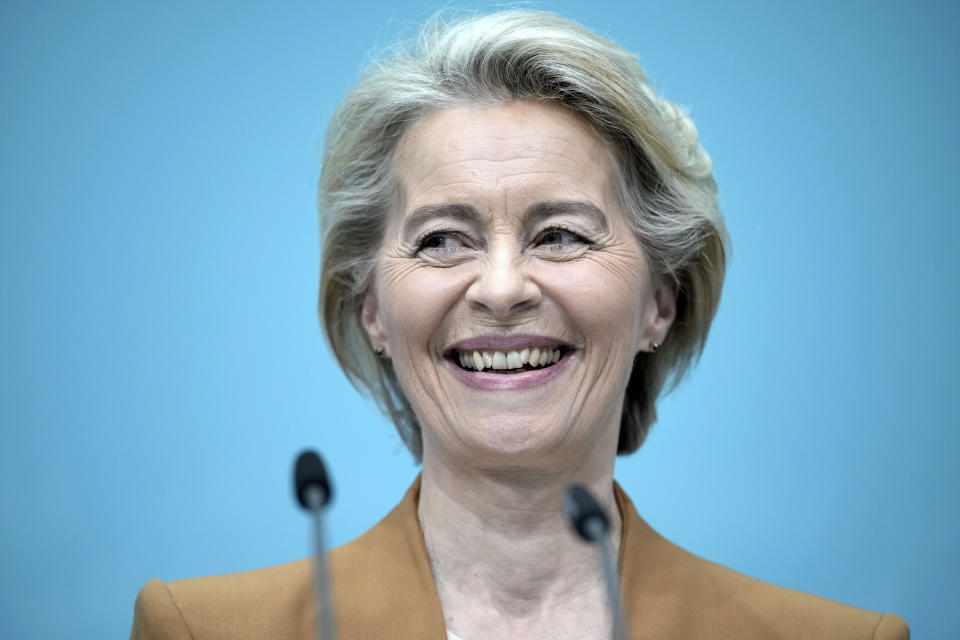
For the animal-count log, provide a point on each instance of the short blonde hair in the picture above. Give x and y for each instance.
(666, 184)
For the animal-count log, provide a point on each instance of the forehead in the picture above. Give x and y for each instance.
(492, 155)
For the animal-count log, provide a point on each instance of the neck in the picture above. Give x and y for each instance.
(504, 556)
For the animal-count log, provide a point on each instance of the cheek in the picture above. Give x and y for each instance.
(415, 301)
(607, 295)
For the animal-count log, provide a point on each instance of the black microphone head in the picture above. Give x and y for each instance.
(310, 472)
(586, 515)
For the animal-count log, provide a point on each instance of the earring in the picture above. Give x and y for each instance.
(654, 346)
(380, 351)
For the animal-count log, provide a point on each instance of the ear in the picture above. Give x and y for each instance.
(663, 311)
(372, 324)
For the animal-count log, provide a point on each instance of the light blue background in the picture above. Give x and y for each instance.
(162, 361)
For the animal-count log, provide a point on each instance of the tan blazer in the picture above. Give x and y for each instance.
(384, 590)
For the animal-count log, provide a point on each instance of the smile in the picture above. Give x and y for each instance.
(507, 362)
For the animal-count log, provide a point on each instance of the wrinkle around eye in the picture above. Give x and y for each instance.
(408, 259)
(625, 263)
(561, 253)
(395, 268)
(444, 257)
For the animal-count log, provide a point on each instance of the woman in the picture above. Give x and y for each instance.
(522, 245)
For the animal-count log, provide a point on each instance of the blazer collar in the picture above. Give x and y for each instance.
(384, 586)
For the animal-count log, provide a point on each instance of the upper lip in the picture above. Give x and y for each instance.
(507, 343)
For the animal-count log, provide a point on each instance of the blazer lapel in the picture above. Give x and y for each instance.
(383, 587)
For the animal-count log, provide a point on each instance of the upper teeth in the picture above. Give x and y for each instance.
(534, 356)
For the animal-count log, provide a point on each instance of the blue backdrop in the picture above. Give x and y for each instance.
(162, 361)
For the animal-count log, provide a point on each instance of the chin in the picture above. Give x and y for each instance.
(518, 443)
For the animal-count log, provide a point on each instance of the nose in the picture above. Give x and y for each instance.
(502, 287)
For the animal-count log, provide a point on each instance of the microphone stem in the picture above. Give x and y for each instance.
(611, 581)
(325, 625)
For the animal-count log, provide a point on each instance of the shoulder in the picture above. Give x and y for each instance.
(274, 602)
(694, 597)
(733, 605)
(381, 582)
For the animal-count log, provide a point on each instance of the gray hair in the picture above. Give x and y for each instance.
(666, 181)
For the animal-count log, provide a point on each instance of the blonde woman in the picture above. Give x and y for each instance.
(522, 247)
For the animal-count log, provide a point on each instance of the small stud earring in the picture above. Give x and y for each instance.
(654, 346)
(380, 351)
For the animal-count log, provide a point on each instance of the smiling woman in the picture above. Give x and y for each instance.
(515, 242)
(522, 246)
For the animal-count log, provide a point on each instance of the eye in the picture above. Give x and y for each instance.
(560, 238)
(439, 243)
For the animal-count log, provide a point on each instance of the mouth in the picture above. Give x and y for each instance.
(508, 361)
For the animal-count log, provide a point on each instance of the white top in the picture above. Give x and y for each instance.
(452, 636)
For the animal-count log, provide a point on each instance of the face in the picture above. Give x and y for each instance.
(510, 293)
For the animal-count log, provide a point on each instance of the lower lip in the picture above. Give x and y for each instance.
(510, 381)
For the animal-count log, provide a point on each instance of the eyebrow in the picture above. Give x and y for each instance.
(535, 213)
(456, 210)
(540, 211)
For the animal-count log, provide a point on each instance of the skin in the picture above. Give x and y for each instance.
(495, 463)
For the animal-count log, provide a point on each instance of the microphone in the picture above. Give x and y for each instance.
(591, 523)
(310, 481)
(312, 488)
